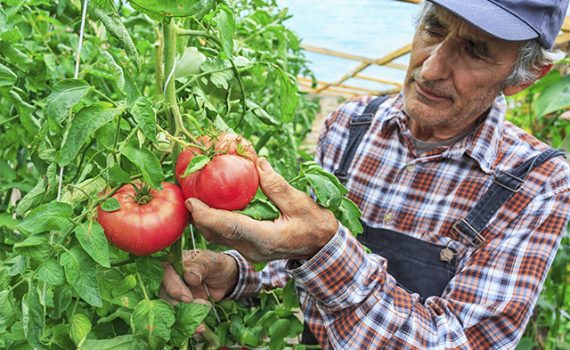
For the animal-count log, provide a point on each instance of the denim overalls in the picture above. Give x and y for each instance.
(418, 266)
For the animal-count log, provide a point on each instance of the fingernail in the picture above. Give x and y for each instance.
(185, 298)
(200, 329)
(189, 204)
(263, 164)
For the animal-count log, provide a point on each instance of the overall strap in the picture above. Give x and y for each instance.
(504, 186)
(359, 125)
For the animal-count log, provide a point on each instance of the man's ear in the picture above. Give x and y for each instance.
(513, 89)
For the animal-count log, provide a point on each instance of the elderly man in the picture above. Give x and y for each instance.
(463, 211)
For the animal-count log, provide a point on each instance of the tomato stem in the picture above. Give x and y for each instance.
(142, 285)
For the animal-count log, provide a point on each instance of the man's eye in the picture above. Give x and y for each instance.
(432, 32)
(472, 53)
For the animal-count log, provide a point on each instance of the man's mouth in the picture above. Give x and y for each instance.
(430, 95)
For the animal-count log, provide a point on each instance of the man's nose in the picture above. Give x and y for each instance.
(438, 64)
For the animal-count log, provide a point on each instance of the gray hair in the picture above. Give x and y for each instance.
(532, 56)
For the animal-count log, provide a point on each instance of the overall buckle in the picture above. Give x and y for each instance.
(475, 239)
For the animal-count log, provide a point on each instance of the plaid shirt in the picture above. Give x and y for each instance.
(348, 298)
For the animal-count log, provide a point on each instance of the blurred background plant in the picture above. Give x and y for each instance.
(544, 111)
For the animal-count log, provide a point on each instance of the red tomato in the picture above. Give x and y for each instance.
(234, 144)
(229, 181)
(153, 223)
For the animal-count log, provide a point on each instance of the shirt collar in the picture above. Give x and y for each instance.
(481, 145)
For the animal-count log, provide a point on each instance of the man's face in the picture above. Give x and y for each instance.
(455, 73)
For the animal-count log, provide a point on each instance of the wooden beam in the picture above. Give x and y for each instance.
(362, 66)
(566, 24)
(335, 53)
(563, 38)
(378, 80)
(397, 65)
(346, 76)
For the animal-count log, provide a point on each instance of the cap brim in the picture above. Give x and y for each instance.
(490, 18)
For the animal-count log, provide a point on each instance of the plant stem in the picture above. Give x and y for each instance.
(9, 120)
(172, 110)
(159, 60)
(142, 285)
(105, 97)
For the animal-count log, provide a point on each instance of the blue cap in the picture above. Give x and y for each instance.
(513, 20)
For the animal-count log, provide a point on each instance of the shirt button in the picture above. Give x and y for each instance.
(388, 218)
(410, 167)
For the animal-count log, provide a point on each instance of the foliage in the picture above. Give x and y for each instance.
(153, 76)
(543, 110)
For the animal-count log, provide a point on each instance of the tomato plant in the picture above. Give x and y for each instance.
(142, 220)
(98, 97)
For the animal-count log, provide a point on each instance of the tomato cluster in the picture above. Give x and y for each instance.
(229, 180)
(148, 220)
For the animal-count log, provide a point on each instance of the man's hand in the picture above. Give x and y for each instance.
(301, 230)
(202, 268)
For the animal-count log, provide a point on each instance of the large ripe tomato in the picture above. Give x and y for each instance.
(229, 181)
(148, 221)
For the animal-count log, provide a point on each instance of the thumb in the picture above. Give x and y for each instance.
(277, 189)
(195, 270)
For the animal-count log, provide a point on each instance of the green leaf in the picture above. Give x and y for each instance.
(79, 328)
(288, 96)
(151, 272)
(7, 77)
(220, 73)
(51, 273)
(290, 298)
(18, 265)
(62, 296)
(8, 307)
(110, 205)
(116, 28)
(52, 216)
(312, 167)
(278, 331)
(80, 192)
(260, 209)
(80, 273)
(189, 63)
(122, 342)
(226, 26)
(146, 118)
(198, 162)
(146, 162)
(125, 285)
(553, 98)
(349, 215)
(188, 317)
(261, 114)
(152, 321)
(36, 247)
(526, 343)
(173, 8)
(66, 94)
(259, 266)
(33, 317)
(7, 221)
(117, 174)
(327, 193)
(92, 238)
(85, 123)
(116, 70)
